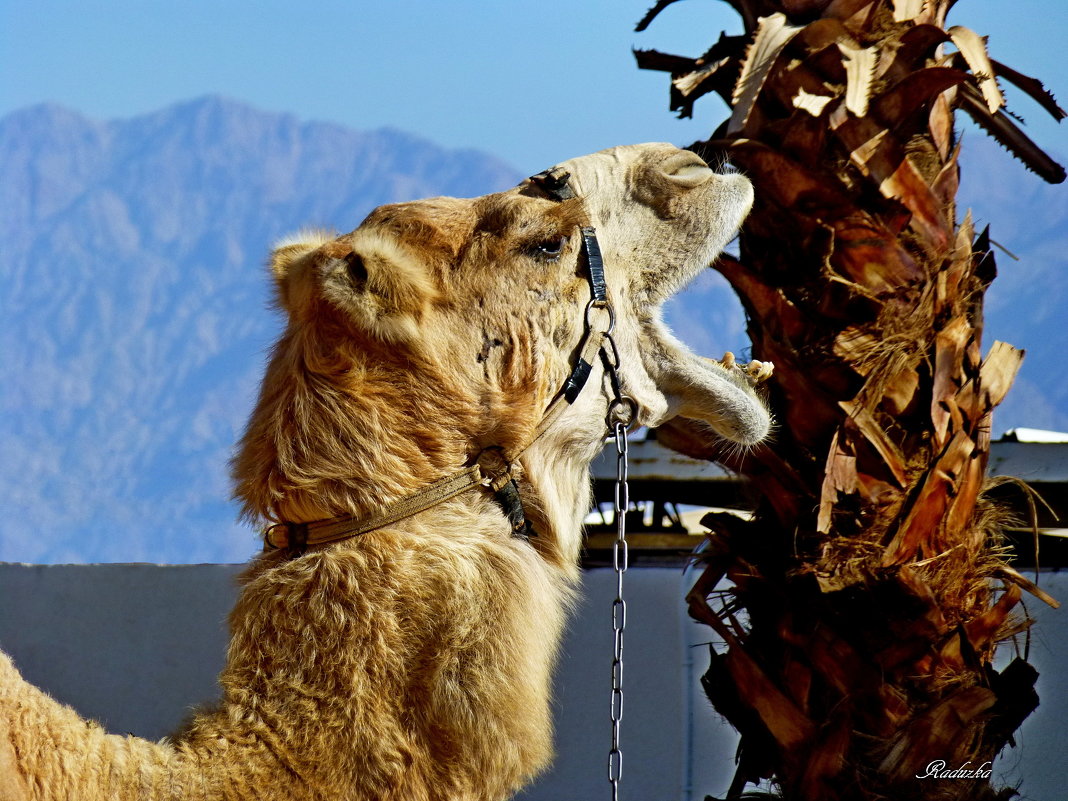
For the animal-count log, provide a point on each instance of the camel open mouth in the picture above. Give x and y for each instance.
(663, 215)
(720, 392)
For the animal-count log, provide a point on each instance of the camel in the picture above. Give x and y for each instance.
(419, 453)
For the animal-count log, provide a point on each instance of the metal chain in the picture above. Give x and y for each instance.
(619, 606)
(621, 412)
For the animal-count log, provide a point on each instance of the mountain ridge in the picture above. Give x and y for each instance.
(136, 330)
(137, 305)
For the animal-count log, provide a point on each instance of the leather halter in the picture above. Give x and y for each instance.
(493, 469)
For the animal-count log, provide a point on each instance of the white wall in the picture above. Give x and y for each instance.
(136, 646)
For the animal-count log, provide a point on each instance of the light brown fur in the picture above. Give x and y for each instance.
(414, 662)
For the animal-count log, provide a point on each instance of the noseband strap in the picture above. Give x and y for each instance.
(598, 287)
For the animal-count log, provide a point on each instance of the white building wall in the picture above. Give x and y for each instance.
(138, 646)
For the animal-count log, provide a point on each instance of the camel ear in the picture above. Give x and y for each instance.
(383, 284)
(291, 266)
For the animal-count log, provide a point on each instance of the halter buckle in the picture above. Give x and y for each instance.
(554, 182)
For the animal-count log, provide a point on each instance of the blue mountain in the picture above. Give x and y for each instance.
(137, 311)
(137, 314)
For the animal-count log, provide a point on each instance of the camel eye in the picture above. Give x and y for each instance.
(550, 249)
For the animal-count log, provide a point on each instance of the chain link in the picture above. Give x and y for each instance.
(621, 413)
(619, 605)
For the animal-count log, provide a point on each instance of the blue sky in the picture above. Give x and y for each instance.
(531, 82)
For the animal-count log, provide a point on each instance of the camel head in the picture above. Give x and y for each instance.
(443, 327)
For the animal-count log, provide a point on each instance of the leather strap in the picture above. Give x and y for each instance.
(298, 536)
(592, 342)
(301, 535)
(598, 287)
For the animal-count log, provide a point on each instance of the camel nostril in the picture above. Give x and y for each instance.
(687, 169)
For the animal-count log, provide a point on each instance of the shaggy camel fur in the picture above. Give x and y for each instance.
(414, 661)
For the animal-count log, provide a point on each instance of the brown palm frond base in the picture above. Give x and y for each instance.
(868, 595)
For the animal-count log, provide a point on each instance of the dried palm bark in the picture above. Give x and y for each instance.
(870, 591)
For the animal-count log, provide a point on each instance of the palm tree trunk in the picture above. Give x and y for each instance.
(868, 594)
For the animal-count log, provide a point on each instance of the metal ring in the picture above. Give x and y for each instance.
(595, 304)
(616, 415)
(495, 467)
